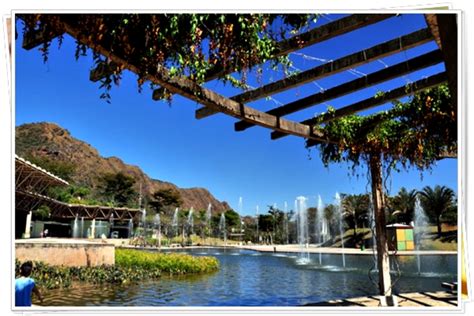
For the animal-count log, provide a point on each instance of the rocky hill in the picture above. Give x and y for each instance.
(48, 140)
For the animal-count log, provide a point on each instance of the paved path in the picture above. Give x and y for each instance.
(417, 299)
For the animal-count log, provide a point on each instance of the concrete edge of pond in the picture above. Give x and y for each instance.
(297, 249)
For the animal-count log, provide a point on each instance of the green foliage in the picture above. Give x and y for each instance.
(63, 169)
(403, 205)
(71, 194)
(354, 209)
(165, 198)
(130, 266)
(41, 213)
(436, 202)
(172, 263)
(190, 44)
(118, 189)
(415, 133)
(232, 218)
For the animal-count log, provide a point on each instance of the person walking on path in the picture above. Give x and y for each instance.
(24, 286)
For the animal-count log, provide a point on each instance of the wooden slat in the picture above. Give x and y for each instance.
(374, 101)
(405, 67)
(385, 49)
(445, 31)
(189, 89)
(314, 36)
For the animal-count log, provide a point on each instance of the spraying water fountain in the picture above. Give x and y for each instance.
(341, 231)
(157, 224)
(420, 221)
(190, 222)
(208, 219)
(257, 215)
(111, 222)
(82, 227)
(130, 228)
(174, 223)
(240, 219)
(144, 222)
(286, 220)
(319, 226)
(222, 228)
(75, 228)
(302, 228)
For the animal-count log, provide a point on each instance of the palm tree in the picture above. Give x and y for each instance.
(354, 208)
(436, 202)
(403, 204)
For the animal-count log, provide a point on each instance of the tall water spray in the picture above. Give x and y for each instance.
(130, 228)
(144, 222)
(111, 224)
(286, 219)
(75, 228)
(174, 223)
(257, 216)
(319, 225)
(157, 223)
(82, 227)
(208, 219)
(341, 232)
(240, 217)
(222, 228)
(157, 226)
(302, 227)
(191, 221)
(420, 221)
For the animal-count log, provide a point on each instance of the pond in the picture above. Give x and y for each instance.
(248, 278)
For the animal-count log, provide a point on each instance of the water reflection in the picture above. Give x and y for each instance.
(247, 279)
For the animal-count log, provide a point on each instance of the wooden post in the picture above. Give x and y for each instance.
(383, 263)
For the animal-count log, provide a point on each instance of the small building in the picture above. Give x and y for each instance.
(400, 237)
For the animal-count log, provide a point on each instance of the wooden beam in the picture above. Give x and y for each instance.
(314, 36)
(191, 90)
(374, 101)
(405, 67)
(445, 31)
(387, 48)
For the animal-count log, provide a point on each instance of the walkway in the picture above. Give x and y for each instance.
(418, 299)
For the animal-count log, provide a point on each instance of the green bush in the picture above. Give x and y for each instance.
(130, 266)
(172, 263)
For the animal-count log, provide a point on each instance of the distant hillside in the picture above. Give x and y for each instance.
(56, 143)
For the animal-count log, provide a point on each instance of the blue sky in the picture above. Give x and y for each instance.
(169, 144)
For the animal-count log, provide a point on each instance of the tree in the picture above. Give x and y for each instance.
(118, 188)
(436, 202)
(165, 198)
(403, 205)
(355, 207)
(63, 169)
(232, 218)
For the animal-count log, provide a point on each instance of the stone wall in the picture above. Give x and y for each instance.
(65, 252)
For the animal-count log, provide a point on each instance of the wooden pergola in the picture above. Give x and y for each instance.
(441, 28)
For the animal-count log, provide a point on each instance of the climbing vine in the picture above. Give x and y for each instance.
(413, 133)
(186, 44)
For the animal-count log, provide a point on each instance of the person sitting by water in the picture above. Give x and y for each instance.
(24, 286)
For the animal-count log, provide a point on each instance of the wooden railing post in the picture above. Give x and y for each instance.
(383, 263)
